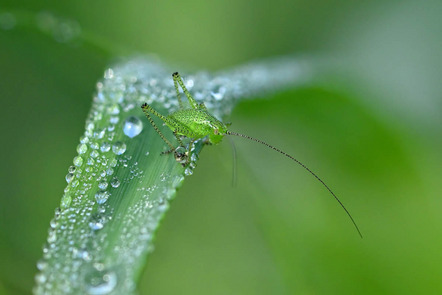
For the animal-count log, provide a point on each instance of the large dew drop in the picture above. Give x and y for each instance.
(101, 282)
(132, 126)
(119, 148)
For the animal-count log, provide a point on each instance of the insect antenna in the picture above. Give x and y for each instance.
(303, 166)
(234, 163)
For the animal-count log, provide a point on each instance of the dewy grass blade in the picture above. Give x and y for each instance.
(119, 185)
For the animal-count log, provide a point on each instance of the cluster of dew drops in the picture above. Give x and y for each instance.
(98, 155)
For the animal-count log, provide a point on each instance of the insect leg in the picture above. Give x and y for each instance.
(148, 109)
(177, 79)
(178, 94)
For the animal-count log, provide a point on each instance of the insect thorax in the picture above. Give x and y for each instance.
(197, 124)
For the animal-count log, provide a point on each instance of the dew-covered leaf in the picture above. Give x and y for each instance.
(119, 185)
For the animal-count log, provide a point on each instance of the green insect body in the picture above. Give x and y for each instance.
(196, 123)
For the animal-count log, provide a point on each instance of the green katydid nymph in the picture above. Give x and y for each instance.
(197, 123)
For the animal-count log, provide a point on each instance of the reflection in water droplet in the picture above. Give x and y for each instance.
(132, 126)
(101, 282)
(40, 278)
(78, 161)
(84, 139)
(114, 120)
(103, 185)
(99, 133)
(180, 154)
(101, 197)
(114, 110)
(94, 154)
(42, 264)
(75, 183)
(115, 182)
(65, 201)
(69, 177)
(109, 74)
(82, 148)
(96, 222)
(52, 236)
(113, 162)
(218, 92)
(53, 223)
(105, 147)
(119, 148)
(94, 145)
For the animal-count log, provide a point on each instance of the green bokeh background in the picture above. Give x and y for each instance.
(370, 126)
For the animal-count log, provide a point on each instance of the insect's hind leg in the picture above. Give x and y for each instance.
(148, 109)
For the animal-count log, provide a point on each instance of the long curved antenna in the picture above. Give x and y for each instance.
(303, 166)
(234, 166)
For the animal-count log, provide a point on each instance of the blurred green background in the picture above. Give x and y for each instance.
(370, 126)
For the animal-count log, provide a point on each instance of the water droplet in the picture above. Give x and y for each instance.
(189, 83)
(119, 148)
(180, 154)
(65, 201)
(188, 171)
(99, 133)
(113, 162)
(90, 127)
(84, 139)
(41, 264)
(114, 110)
(94, 145)
(101, 282)
(75, 183)
(108, 74)
(105, 147)
(57, 212)
(81, 148)
(69, 177)
(90, 161)
(110, 171)
(96, 222)
(115, 182)
(53, 223)
(132, 126)
(218, 92)
(94, 154)
(81, 253)
(114, 120)
(40, 278)
(103, 185)
(78, 161)
(101, 197)
(72, 169)
(52, 236)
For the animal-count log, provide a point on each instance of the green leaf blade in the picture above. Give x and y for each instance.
(120, 185)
